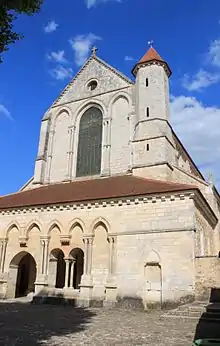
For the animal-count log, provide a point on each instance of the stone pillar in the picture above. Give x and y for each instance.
(72, 272)
(42, 279)
(49, 158)
(4, 243)
(67, 261)
(110, 286)
(106, 148)
(86, 285)
(71, 146)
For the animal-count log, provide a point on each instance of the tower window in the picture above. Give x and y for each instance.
(147, 82)
(147, 112)
(147, 147)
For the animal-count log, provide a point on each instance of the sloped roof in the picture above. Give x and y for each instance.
(151, 54)
(90, 190)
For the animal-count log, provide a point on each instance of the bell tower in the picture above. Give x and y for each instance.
(153, 147)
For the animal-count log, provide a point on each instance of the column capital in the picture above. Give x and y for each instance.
(3, 241)
(45, 240)
(67, 259)
(88, 239)
(111, 238)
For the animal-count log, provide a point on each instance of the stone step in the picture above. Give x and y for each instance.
(194, 311)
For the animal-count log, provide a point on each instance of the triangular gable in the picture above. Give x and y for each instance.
(109, 79)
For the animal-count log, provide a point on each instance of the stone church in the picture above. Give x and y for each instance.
(117, 212)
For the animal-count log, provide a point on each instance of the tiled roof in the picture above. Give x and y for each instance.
(90, 190)
(150, 55)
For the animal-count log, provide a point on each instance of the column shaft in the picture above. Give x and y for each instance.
(72, 272)
(42, 256)
(67, 273)
(3, 255)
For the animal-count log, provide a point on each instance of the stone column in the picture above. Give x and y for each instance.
(86, 285)
(42, 256)
(89, 263)
(111, 241)
(106, 148)
(71, 145)
(42, 278)
(50, 153)
(46, 250)
(67, 261)
(4, 243)
(110, 286)
(131, 137)
(72, 272)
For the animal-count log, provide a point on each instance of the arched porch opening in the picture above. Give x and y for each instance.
(22, 275)
(76, 267)
(57, 268)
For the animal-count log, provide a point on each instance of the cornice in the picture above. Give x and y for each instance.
(205, 208)
(116, 202)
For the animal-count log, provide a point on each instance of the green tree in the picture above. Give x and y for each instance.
(9, 10)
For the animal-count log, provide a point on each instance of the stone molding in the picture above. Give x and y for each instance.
(175, 196)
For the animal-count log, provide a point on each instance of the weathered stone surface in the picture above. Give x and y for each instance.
(24, 324)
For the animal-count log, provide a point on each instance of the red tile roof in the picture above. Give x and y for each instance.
(150, 55)
(90, 190)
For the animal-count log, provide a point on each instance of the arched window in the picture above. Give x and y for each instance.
(90, 143)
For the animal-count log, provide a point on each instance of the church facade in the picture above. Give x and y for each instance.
(117, 213)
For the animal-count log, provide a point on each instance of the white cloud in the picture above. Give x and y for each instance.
(202, 79)
(91, 3)
(61, 73)
(57, 56)
(198, 126)
(214, 53)
(5, 112)
(81, 45)
(50, 27)
(129, 58)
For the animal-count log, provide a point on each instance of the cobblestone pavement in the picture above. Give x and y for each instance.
(31, 325)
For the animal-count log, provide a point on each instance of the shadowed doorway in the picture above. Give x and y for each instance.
(22, 275)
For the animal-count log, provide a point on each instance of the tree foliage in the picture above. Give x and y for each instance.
(9, 10)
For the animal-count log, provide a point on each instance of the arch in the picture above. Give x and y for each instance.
(22, 275)
(89, 148)
(85, 106)
(57, 268)
(153, 257)
(13, 224)
(74, 223)
(64, 109)
(76, 256)
(123, 95)
(100, 221)
(31, 225)
(54, 223)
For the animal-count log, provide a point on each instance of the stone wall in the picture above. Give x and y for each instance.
(119, 267)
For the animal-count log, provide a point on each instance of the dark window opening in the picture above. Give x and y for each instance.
(147, 112)
(90, 143)
(92, 85)
(147, 147)
(147, 82)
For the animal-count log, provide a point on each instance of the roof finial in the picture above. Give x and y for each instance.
(150, 43)
(94, 50)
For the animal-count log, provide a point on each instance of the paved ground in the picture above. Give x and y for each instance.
(31, 325)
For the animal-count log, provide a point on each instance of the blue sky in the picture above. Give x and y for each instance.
(58, 40)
